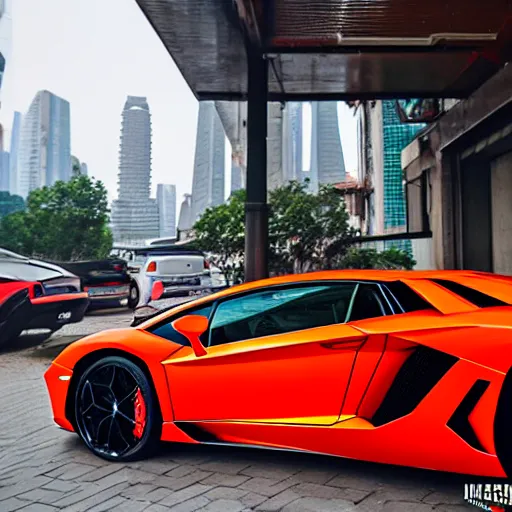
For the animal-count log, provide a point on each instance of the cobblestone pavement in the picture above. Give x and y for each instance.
(44, 469)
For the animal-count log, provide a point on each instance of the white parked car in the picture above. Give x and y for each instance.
(183, 272)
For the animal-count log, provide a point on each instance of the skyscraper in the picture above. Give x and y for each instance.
(134, 213)
(327, 164)
(209, 165)
(166, 200)
(386, 136)
(292, 141)
(44, 155)
(15, 144)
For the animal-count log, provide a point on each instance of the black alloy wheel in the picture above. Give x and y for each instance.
(116, 411)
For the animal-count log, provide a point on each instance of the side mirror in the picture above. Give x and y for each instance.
(192, 326)
(157, 290)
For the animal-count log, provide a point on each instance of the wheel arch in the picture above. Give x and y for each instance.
(90, 359)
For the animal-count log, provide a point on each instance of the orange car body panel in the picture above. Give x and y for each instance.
(365, 364)
(273, 377)
(318, 389)
(421, 439)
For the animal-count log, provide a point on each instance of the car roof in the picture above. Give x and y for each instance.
(368, 275)
(503, 285)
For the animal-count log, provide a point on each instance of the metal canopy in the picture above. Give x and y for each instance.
(333, 49)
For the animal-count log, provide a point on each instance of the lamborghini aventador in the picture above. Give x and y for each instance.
(407, 368)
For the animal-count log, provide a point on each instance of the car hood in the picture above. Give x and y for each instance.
(12, 256)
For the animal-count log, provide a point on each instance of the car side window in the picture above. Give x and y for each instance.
(405, 298)
(368, 303)
(278, 311)
(166, 330)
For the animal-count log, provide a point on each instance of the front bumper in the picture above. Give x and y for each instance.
(57, 380)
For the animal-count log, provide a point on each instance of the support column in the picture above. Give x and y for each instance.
(256, 208)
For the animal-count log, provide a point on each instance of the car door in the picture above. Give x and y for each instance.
(279, 355)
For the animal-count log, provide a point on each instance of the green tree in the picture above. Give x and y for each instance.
(220, 231)
(10, 203)
(390, 259)
(307, 231)
(65, 222)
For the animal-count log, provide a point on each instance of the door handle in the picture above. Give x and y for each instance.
(342, 345)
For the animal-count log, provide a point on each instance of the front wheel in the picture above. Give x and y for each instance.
(116, 411)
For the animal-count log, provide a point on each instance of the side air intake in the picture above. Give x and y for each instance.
(459, 422)
(415, 379)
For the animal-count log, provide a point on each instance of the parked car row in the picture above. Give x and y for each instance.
(47, 295)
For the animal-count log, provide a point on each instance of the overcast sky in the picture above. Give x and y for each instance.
(94, 53)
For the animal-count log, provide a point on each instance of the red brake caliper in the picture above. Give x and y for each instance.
(140, 415)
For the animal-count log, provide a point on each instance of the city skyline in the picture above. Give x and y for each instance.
(96, 103)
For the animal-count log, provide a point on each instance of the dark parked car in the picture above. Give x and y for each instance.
(106, 281)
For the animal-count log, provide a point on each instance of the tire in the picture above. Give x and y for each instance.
(105, 410)
(134, 297)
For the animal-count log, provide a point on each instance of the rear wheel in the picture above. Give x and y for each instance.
(116, 411)
(133, 298)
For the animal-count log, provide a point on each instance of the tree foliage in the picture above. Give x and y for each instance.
(390, 259)
(65, 222)
(10, 203)
(220, 231)
(306, 232)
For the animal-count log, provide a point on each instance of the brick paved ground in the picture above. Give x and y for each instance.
(44, 469)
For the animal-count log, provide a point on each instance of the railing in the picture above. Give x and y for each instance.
(418, 244)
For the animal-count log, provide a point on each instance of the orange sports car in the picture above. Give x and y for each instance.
(407, 368)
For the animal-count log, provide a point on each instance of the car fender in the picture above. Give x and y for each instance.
(141, 344)
(483, 337)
